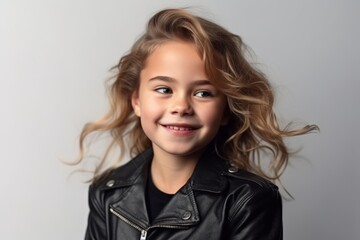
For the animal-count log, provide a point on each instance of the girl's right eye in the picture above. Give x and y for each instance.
(163, 90)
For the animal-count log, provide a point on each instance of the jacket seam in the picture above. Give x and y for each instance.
(99, 209)
(242, 202)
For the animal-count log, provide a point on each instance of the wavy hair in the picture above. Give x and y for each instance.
(252, 125)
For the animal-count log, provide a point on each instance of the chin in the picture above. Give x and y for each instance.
(183, 152)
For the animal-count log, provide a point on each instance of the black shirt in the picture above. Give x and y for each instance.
(155, 199)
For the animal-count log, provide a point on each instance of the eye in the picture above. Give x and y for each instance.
(163, 90)
(203, 94)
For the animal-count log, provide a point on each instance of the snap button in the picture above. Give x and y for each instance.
(186, 215)
(110, 183)
(233, 169)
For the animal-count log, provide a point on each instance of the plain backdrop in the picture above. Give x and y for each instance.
(54, 60)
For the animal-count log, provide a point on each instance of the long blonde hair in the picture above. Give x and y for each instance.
(252, 125)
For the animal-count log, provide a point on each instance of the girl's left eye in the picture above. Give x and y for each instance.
(203, 94)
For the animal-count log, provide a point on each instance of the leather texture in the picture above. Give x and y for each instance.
(217, 202)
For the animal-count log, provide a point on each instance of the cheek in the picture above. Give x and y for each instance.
(212, 116)
(216, 112)
(150, 109)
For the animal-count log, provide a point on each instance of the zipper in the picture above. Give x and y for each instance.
(143, 232)
(143, 235)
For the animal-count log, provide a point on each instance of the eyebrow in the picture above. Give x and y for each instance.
(170, 79)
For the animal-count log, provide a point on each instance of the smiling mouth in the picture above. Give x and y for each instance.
(176, 128)
(180, 128)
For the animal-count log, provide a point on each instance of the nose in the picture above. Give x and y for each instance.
(181, 105)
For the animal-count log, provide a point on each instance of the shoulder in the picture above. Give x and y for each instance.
(251, 193)
(253, 207)
(122, 176)
(239, 177)
(246, 184)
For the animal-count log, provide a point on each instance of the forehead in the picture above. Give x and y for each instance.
(176, 59)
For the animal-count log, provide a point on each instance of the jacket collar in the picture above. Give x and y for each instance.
(182, 209)
(207, 173)
(206, 176)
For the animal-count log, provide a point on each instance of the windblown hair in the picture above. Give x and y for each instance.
(252, 125)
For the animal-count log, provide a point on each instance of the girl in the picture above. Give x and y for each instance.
(196, 116)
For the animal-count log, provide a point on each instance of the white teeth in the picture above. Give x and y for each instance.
(179, 128)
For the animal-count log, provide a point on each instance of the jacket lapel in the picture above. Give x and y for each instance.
(132, 182)
(182, 209)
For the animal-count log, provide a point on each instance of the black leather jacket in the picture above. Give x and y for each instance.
(216, 203)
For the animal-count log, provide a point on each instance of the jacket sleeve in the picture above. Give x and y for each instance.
(258, 217)
(96, 227)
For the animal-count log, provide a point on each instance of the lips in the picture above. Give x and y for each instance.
(180, 127)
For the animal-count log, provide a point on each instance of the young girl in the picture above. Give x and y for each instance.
(196, 116)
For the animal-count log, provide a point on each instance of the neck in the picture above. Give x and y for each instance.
(169, 173)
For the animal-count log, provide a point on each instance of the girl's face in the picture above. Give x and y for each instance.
(179, 109)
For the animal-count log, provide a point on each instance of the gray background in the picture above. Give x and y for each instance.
(54, 59)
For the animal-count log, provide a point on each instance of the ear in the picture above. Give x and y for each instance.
(135, 102)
